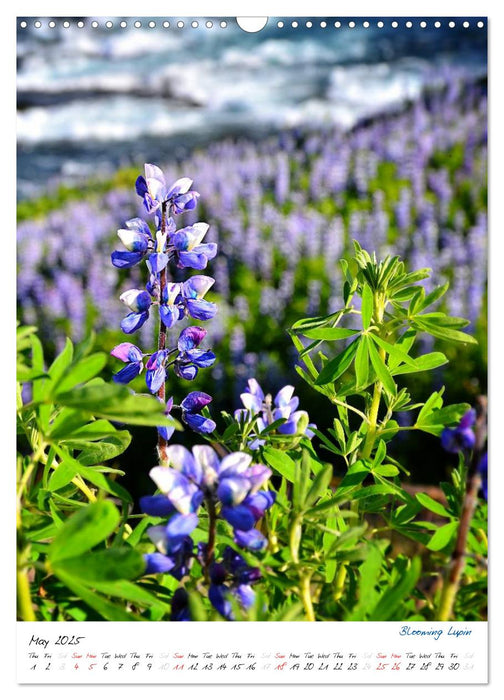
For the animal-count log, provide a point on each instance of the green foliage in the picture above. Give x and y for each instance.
(67, 530)
(392, 312)
(347, 539)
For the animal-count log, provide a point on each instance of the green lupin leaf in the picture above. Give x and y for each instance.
(381, 370)
(281, 462)
(362, 362)
(367, 306)
(443, 536)
(83, 530)
(338, 365)
(330, 333)
(395, 352)
(442, 332)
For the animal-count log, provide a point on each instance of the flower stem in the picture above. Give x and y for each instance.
(339, 584)
(373, 422)
(338, 402)
(295, 539)
(379, 309)
(306, 596)
(457, 562)
(162, 443)
(24, 603)
(212, 521)
(81, 484)
(304, 575)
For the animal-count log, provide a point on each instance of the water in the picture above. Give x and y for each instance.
(90, 100)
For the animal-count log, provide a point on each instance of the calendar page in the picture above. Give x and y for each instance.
(252, 350)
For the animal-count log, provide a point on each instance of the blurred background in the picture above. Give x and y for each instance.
(298, 140)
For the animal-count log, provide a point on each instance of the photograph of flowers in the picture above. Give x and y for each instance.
(252, 320)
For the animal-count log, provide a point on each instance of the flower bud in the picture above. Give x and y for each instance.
(136, 299)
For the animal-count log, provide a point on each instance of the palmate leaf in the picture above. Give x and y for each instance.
(105, 608)
(309, 372)
(66, 422)
(133, 593)
(443, 536)
(367, 306)
(362, 362)
(95, 475)
(430, 360)
(88, 431)
(61, 476)
(62, 362)
(281, 462)
(436, 294)
(104, 449)
(328, 540)
(381, 369)
(354, 477)
(435, 401)
(319, 485)
(302, 480)
(98, 440)
(441, 319)
(306, 324)
(338, 365)
(407, 279)
(369, 572)
(441, 331)
(396, 353)
(118, 403)
(330, 333)
(432, 505)
(437, 419)
(83, 530)
(393, 598)
(110, 564)
(81, 372)
(386, 470)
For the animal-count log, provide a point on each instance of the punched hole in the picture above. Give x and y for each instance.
(252, 24)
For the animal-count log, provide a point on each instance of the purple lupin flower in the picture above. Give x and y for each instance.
(132, 355)
(193, 292)
(267, 410)
(190, 251)
(190, 358)
(191, 407)
(175, 300)
(154, 191)
(232, 579)
(462, 437)
(483, 472)
(137, 240)
(139, 301)
(233, 483)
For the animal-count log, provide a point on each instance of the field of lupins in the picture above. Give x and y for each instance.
(275, 514)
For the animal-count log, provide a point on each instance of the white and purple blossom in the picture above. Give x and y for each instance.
(137, 239)
(154, 192)
(462, 437)
(190, 357)
(175, 300)
(139, 301)
(133, 356)
(234, 483)
(190, 251)
(191, 407)
(192, 293)
(266, 410)
(232, 578)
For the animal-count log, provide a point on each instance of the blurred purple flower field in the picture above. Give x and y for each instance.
(283, 212)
